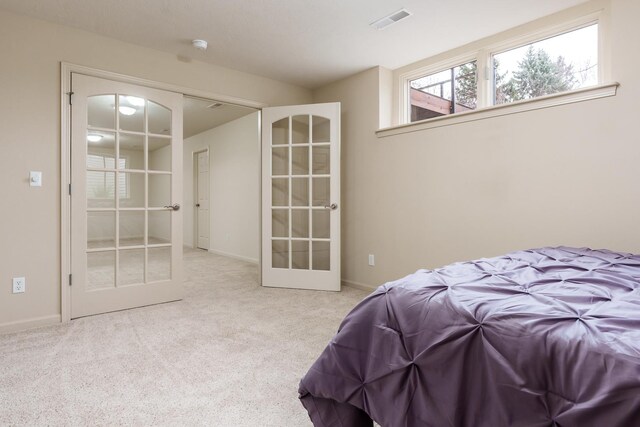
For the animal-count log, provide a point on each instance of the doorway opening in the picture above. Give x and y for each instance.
(221, 178)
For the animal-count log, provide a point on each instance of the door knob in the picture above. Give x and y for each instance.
(175, 207)
(332, 206)
(197, 205)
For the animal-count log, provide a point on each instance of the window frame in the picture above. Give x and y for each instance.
(484, 60)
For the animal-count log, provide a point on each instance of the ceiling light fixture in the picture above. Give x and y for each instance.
(135, 101)
(383, 23)
(94, 137)
(200, 44)
(127, 111)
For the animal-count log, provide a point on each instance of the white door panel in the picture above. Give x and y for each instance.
(126, 173)
(301, 196)
(202, 197)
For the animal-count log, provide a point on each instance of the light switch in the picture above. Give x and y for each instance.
(35, 179)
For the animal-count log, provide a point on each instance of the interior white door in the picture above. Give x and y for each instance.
(202, 198)
(126, 226)
(301, 196)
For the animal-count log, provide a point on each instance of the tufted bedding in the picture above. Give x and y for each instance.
(544, 337)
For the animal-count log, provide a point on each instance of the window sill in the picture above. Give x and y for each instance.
(593, 92)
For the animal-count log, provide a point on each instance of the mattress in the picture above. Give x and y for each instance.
(542, 337)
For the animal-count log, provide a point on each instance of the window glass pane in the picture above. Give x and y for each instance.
(453, 90)
(321, 255)
(131, 189)
(131, 267)
(101, 189)
(100, 145)
(321, 129)
(300, 192)
(131, 112)
(280, 161)
(101, 270)
(159, 119)
(300, 161)
(101, 111)
(557, 64)
(300, 129)
(101, 230)
(159, 227)
(280, 132)
(159, 154)
(300, 223)
(131, 151)
(280, 223)
(131, 228)
(300, 255)
(159, 264)
(280, 253)
(159, 190)
(280, 192)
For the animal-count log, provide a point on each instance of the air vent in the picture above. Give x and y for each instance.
(214, 105)
(383, 23)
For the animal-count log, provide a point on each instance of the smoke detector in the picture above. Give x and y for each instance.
(383, 23)
(199, 44)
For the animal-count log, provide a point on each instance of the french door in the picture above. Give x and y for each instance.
(126, 175)
(301, 197)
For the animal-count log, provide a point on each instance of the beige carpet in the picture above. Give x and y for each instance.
(230, 354)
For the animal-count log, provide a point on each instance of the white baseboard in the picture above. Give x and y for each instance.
(23, 325)
(357, 285)
(234, 256)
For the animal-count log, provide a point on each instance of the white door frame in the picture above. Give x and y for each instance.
(194, 159)
(66, 69)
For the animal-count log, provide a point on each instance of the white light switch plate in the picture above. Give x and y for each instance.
(372, 260)
(19, 285)
(35, 179)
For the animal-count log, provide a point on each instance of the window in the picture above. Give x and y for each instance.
(100, 184)
(446, 92)
(558, 64)
(561, 59)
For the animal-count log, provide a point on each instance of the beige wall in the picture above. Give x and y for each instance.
(234, 172)
(566, 175)
(31, 52)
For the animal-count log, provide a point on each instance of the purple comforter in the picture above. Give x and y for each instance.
(544, 337)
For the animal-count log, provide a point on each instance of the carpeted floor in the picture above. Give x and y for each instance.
(230, 354)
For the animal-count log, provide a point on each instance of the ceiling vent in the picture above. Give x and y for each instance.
(383, 23)
(214, 105)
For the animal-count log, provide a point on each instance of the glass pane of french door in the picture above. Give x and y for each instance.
(300, 193)
(128, 185)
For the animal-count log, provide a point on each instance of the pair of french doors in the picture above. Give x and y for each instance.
(126, 223)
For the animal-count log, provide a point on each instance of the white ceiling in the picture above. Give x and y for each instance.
(304, 42)
(197, 117)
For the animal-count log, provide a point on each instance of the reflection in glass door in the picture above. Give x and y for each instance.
(128, 185)
(125, 138)
(301, 175)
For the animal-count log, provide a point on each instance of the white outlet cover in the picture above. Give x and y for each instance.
(19, 285)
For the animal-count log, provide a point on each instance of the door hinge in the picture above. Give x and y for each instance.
(69, 189)
(70, 95)
(70, 279)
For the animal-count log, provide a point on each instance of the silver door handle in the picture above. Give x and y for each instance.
(175, 207)
(332, 206)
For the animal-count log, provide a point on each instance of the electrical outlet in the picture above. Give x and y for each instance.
(19, 285)
(372, 260)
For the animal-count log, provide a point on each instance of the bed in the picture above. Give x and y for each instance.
(542, 337)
